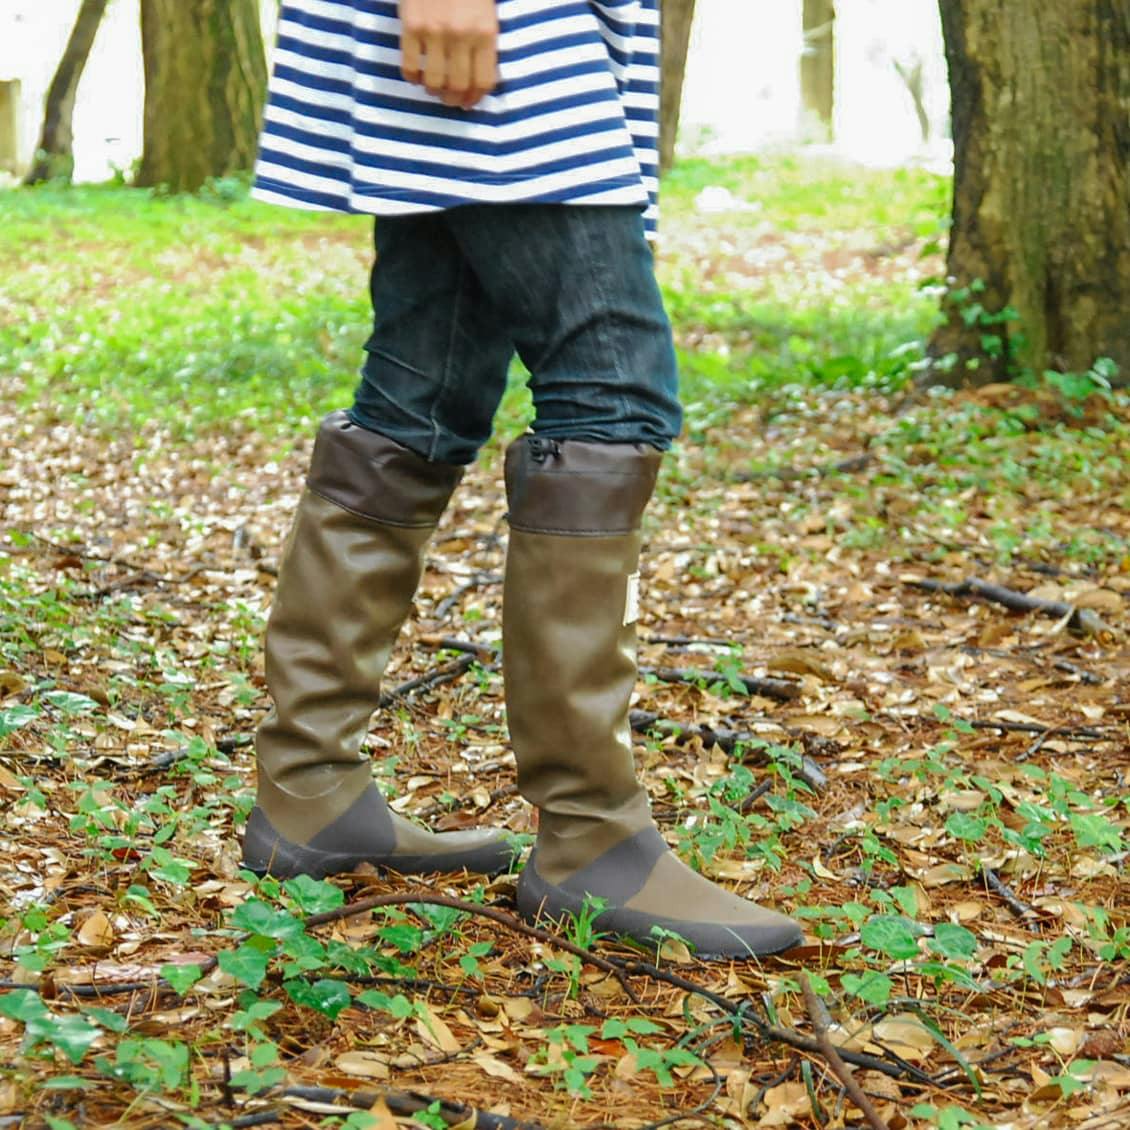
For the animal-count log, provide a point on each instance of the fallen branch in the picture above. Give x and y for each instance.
(742, 1014)
(782, 690)
(404, 1104)
(747, 805)
(483, 651)
(1082, 620)
(817, 1015)
(1079, 732)
(448, 673)
(646, 722)
(431, 898)
(457, 594)
(1005, 893)
(689, 641)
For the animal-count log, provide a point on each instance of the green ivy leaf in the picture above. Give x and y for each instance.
(399, 1006)
(13, 717)
(72, 1035)
(258, 917)
(871, 987)
(313, 896)
(69, 703)
(892, 935)
(953, 941)
(248, 964)
(964, 826)
(328, 997)
(181, 978)
(22, 1005)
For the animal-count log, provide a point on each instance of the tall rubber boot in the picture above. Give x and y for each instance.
(349, 572)
(570, 605)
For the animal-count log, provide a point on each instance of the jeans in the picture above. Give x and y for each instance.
(570, 288)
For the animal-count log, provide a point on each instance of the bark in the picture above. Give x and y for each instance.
(1041, 212)
(205, 83)
(53, 155)
(818, 64)
(678, 17)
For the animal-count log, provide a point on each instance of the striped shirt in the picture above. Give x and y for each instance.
(574, 118)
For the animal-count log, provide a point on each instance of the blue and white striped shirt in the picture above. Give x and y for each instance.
(574, 118)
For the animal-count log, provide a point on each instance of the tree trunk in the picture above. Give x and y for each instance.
(678, 16)
(818, 65)
(53, 155)
(1039, 257)
(205, 82)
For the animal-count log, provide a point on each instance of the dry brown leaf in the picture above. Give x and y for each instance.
(11, 683)
(96, 932)
(801, 663)
(784, 1104)
(496, 1067)
(1100, 600)
(368, 1065)
(905, 1035)
(384, 1117)
(434, 1031)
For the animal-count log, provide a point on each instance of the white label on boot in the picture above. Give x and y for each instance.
(632, 601)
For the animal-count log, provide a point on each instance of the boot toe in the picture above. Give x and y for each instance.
(722, 927)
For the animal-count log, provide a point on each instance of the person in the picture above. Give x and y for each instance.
(508, 151)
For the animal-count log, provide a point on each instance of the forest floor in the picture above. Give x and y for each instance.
(933, 784)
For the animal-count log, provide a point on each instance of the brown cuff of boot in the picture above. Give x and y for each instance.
(374, 477)
(578, 488)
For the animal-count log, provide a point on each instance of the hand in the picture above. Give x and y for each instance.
(450, 47)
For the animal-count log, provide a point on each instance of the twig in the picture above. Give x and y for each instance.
(755, 796)
(432, 898)
(448, 673)
(406, 1103)
(1038, 744)
(483, 651)
(743, 1014)
(1005, 893)
(1083, 620)
(841, 1070)
(645, 722)
(1084, 732)
(689, 641)
(457, 594)
(782, 690)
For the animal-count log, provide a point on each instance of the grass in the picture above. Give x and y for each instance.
(119, 306)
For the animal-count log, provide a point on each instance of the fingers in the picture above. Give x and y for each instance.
(484, 70)
(451, 48)
(459, 53)
(435, 65)
(411, 52)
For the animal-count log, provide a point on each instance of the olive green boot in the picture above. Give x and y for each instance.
(346, 583)
(570, 605)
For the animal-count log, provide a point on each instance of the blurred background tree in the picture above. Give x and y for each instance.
(818, 66)
(1039, 253)
(205, 84)
(53, 155)
(678, 18)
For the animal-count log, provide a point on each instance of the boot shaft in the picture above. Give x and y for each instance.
(569, 647)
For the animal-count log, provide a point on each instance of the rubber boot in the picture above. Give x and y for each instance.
(349, 573)
(570, 605)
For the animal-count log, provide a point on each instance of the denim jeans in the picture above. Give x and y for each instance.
(570, 288)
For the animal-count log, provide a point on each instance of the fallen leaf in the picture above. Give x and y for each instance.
(368, 1065)
(96, 932)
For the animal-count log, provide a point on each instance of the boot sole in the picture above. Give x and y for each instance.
(283, 859)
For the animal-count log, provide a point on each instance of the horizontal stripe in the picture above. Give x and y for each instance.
(572, 120)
